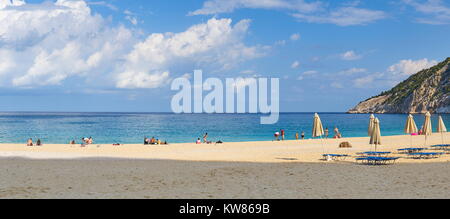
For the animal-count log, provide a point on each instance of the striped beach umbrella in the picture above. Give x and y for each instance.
(441, 128)
(371, 121)
(427, 127)
(411, 126)
(375, 137)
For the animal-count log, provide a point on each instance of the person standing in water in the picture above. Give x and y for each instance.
(282, 134)
(296, 136)
(326, 133)
(303, 135)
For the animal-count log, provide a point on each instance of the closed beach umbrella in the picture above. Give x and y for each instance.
(427, 127)
(375, 138)
(372, 120)
(441, 128)
(411, 126)
(317, 127)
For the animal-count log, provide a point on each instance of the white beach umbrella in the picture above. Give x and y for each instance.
(411, 126)
(370, 129)
(375, 138)
(318, 129)
(427, 127)
(441, 128)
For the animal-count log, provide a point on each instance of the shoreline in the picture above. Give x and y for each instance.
(289, 151)
(261, 170)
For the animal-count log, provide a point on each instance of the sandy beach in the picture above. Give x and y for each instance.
(290, 169)
(260, 152)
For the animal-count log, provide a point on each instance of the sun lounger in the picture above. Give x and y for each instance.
(375, 154)
(441, 146)
(335, 157)
(377, 160)
(425, 155)
(411, 150)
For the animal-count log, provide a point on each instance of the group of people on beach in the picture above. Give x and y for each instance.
(30, 142)
(84, 141)
(205, 140)
(154, 141)
(282, 134)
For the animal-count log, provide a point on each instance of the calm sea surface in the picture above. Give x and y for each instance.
(131, 128)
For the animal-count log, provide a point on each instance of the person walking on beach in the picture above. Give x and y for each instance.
(303, 135)
(277, 136)
(205, 138)
(296, 136)
(282, 134)
(337, 134)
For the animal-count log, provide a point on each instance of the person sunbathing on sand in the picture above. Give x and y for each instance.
(30, 142)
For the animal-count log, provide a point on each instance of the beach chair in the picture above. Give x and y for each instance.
(411, 150)
(335, 157)
(425, 155)
(441, 146)
(376, 161)
(375, 154)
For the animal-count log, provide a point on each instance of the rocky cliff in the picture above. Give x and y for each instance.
(427, 90)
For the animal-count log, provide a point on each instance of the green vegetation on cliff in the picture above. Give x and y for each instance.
(400, 92)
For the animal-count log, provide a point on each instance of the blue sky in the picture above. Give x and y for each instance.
(121, 55)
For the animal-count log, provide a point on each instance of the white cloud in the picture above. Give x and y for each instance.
(295, 37)
(296, 64)
(366, 81)
(345, 16)
(409, 67)
(132, 20)
(52, 42)
(353, 71)
(55, 41)
(434, 11)
(8, 3)
(306, 74)
(312, 11)
(394, 74)
(220, 6)
(103, 3)
(350, 56)
(216, 41)
(336, 85)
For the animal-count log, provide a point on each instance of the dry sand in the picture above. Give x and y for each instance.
(182, 179)
(290, 169)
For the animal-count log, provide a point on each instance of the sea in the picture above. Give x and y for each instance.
(132, 128)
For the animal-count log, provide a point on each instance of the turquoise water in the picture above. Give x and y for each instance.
(131, 128)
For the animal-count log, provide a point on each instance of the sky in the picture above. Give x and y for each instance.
(121, 56)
